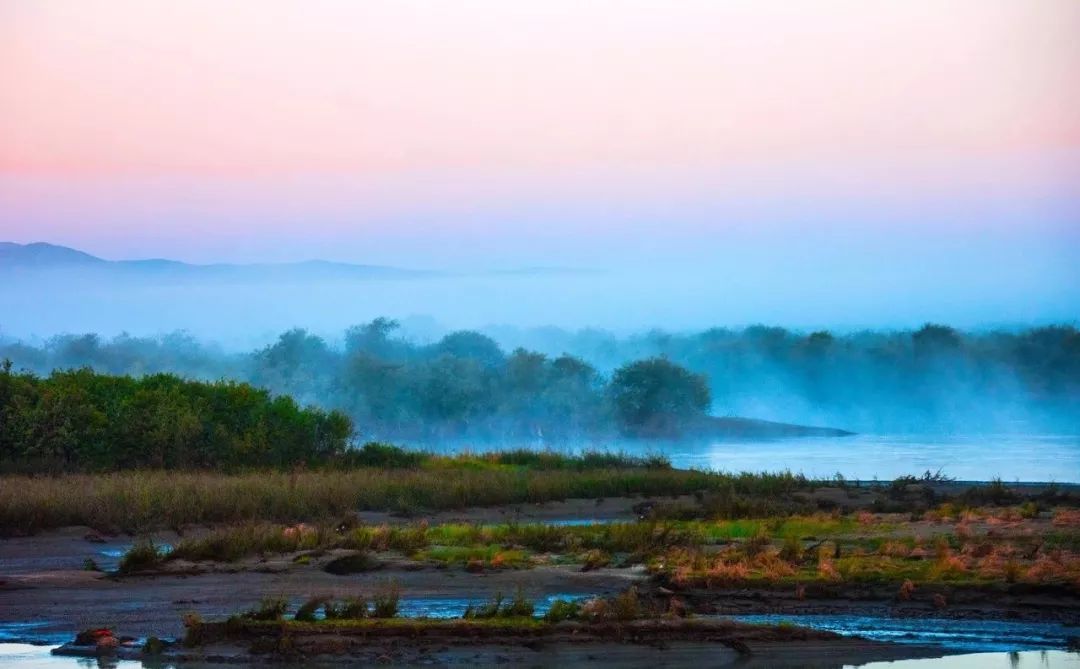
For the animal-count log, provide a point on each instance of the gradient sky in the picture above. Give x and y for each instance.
(839, 134)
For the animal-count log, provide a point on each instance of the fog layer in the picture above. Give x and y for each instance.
(552, 384)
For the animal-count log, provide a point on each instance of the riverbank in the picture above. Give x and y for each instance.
(744, 545)
(515, 641)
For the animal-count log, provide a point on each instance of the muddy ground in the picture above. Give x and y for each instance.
(42, 580)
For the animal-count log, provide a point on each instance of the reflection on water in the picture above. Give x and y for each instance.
(1047, 659)
(454, 607)
(865, 456)
(577, 522)
(1011, 457)
(965, 635)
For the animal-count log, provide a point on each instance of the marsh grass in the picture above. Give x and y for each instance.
(146, 500)
(308, 610)
(142, 556)
(497, 546)
(1019, 558)
(499, 607)
(384, 601)
(350, 608)
(562, 609)
(269, 608)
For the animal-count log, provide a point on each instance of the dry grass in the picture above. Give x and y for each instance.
(140, 501)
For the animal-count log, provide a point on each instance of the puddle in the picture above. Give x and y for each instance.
(109, 558)
(1032, 659)
(454, 607)
(964, 635)
(35, 633)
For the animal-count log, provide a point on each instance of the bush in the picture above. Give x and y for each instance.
(562, 609)
(307, 610)
(269, 608)
(140, 557)
(351, 608)
(519, 606)
(376, 454)
(153, 646)
(626, 605)
(385, 600)
(792, 550)
(352, 564)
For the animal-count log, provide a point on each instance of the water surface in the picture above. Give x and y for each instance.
(1012, 457)
(959, 635)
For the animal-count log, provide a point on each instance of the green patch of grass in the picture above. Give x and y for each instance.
(561, 610)
(142, 556)
(269, 608)
(351, 608)
(488, 556)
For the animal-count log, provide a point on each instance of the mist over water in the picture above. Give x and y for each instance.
(733, 289)
(976, 403)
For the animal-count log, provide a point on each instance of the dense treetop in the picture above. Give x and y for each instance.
(548, 384)
(82, 420)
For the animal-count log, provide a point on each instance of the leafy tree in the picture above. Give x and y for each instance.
(656, 396)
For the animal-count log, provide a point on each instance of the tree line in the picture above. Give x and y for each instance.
(80, 420)
(549, 384)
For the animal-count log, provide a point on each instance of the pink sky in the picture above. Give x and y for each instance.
(346, 128)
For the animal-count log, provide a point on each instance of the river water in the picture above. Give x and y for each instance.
(1011, 457)
(1029, 458)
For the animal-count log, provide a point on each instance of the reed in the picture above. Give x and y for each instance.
(139, 501)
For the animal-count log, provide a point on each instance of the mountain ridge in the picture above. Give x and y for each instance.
(44, 254)
(46, 257)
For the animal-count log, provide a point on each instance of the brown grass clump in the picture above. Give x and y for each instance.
(626, 605)
(724, 573)
(895, 549)
(949, 567)
(826, 567)
(773, 568)
(907, 589)
(594, 610)
(1066, 518)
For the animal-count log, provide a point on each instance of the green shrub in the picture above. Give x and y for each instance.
(562, 609)
(385, 600)
(142, 556)
(153, 646)
(352, 564)
(518, 607)
(269, 608)
(626, 605)
(307, 610)
(351, 608)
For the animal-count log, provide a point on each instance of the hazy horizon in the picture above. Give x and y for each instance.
(833, 164)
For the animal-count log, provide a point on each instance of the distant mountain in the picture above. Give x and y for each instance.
(40, 254)
(42, 257)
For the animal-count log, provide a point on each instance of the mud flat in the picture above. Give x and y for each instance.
(518, 642)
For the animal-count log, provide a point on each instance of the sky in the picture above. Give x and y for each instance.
(881, 147)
